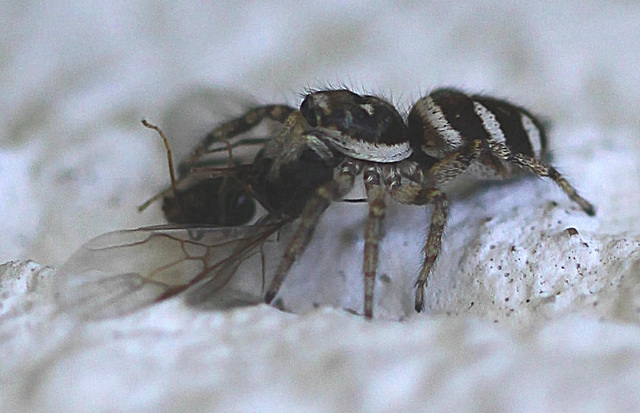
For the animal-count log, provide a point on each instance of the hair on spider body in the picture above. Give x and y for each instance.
(330, 127)
(361, 126)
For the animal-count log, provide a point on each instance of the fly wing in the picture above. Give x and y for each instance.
(120, 272)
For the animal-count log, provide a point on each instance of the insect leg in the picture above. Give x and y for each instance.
(442, 173)
(313, 209)
(376, 197)
(541, 169)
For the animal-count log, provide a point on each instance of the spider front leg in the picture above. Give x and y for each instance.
(239, 125)
(541, 169)
(376, 195)
(313, 209)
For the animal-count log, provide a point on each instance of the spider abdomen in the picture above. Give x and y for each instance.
(447, 120)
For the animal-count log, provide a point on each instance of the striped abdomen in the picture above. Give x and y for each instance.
(447, 120)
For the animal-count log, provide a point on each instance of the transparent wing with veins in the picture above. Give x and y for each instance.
(123, 271)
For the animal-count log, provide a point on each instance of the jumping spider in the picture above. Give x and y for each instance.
(337, 135)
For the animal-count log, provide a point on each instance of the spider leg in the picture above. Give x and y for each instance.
(540, 168)
(194, 162)
(313, 209)
(437, 176)
(376, 197)
(433, 245)
(241, 124)
(449, 167)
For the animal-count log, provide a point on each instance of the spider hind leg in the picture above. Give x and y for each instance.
(544, 170)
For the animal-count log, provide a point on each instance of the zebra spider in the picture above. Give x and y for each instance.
(337, 134)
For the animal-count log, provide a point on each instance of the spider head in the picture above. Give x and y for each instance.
(362, 127)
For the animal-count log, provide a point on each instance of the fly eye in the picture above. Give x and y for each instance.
(239, 207)
(241, 200)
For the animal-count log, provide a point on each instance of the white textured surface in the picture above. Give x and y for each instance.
(522, 315)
